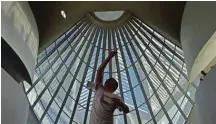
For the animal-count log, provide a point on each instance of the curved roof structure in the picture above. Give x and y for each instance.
(150, 70)
(164, 16)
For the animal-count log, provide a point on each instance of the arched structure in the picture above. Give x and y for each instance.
(150, 70)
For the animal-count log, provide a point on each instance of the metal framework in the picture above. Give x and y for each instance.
(150, 70)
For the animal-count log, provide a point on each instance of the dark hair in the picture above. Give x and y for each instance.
(115, 86)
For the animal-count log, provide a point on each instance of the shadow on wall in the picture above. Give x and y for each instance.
(13, 64)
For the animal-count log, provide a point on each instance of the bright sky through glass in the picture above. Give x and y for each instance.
(109, 15)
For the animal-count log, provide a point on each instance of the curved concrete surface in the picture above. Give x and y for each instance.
(19, 29)
(15, 105)
(205, 99)
(198, 42)
(164, 16)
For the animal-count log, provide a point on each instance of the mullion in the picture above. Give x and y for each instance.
(84, 76)
(158, 39)
(119, 73)
(109, 49)
(137, 75)
(56, 58)
(78, 67)
(65, 38)
(54, 75)
(128, 77)
(93, 75)
(160, 79)
(180, 105)
(164, 66)
(151, 33)
(104, 46)
(64, 77)
(149, 80)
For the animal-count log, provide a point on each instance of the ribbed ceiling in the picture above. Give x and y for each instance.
(149, 68)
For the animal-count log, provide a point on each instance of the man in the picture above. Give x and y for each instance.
(104, 104)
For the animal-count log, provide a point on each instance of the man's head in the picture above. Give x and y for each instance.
(111, 85)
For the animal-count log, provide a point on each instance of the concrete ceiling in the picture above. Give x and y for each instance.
(164, 17)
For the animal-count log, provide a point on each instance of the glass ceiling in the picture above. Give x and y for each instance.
(150, 70)
(109, 15)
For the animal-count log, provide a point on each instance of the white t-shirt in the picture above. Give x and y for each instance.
(101, 112)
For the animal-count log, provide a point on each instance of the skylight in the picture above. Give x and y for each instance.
(109, 15)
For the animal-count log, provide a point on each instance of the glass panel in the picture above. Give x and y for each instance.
(169, 44)
(180, 52)
(67, 81)
(163, 94)
(138, 96)
(53, 110)
(39, 87)
(50, 48)
(52, 57)
(65, 53)
(44, 66)
(64, 119)
(155, 104)
(62, 46)
(161, 118)
(132, 118)
(178, 119)
(45, 99)
(171, 108)
(59, 40)
(186, 106)
(26, 85)
(57, 64)
(41, 56)
(140, 71)
(183, 83)
(61, 73)
(191, 92)
(159, 36)
(109, 15)
(60, 96)
(147, 88)
(133, 78)
(32, 96)
(39, 110)
(47, 120)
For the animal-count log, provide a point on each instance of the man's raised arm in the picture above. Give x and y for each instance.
(100, 71)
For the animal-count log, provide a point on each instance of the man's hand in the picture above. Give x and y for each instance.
(121, 105)
(112, 53)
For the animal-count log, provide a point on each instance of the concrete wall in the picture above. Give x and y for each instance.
(205, 99)
(14, 102)
(198, 42)
(20, 31)
(32, 119)
(193, 117)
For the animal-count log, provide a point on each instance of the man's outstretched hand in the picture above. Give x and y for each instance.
(112, 53)
(122, 107)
